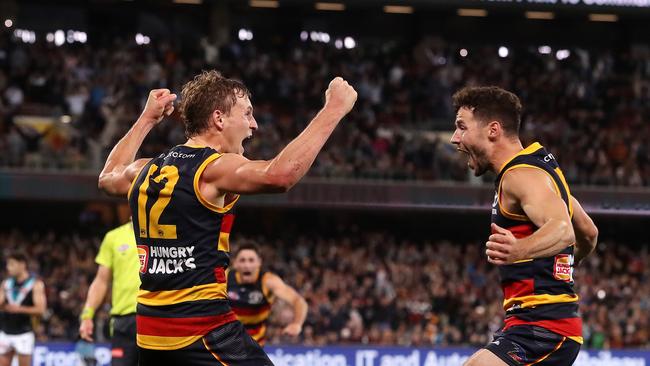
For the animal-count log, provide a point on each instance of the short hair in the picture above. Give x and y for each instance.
(17, 255)
(491, 103)
(204, 94)
(248, 245)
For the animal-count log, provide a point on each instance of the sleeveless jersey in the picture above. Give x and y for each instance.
(182, 243)
(539, 291)
(252, 304)
(18, 293)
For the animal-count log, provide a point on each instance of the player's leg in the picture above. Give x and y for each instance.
(6, 352)
(123, 342)
(231, 345)
(484, 357)
(24, 346)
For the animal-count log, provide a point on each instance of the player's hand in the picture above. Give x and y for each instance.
(501, 247)
(292, 329)
(159, 104)
(340, 95)
(86, 330)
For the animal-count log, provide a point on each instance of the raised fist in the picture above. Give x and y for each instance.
(159, 104)
(340, 95)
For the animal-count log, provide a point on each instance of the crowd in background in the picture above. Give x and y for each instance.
(374, 287)
(590, 109)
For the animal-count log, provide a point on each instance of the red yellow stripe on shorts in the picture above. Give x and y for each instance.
(568, 327)
(174, 333)
(534, 300)
(210, 291)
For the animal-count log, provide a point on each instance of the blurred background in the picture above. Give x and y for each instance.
(385, 236)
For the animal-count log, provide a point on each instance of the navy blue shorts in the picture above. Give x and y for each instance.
(525, 344)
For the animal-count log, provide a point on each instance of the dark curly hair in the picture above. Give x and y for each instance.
(206, 93)
(491, 103)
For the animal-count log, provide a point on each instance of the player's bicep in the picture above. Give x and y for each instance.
(234, 173)
(537, 196)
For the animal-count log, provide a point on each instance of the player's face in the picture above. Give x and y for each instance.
(14, 267)
(470, 137)
(247, 264)
(239, 124)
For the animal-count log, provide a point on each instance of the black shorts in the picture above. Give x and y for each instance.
(124, 349)
(524, 344)
(228, 345)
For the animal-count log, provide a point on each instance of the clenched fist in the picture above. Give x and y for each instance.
(340, 95)
(159, 104)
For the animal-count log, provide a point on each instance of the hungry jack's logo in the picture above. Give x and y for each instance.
(563, 268)
(143, 255)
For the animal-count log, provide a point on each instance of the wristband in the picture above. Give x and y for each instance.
(87, 313)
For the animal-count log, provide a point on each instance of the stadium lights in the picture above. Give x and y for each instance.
(9, 23)
(330, 6)
(338, 43)
(398, 9)
(541, 15)
(503, 52)
(141, 39)
(472, 12)
(349, 42)
(463, 52)
(264, 3)
(544, 50)
(59, 38)
(26, 36)
(304, 36)
(603, 17)
(562, 54)
(245, 34)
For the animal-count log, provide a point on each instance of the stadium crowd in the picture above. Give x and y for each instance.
(374, 287)
(590, 109)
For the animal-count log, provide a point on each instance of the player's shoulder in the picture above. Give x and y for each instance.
(523, 177)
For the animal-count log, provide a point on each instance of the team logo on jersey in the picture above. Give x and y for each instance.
(255, 297)
(563, 268)
(495, 203)
(233, 295)
(143, 255)
(123, 248)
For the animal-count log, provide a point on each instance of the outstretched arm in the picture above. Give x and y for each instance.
(120, 167)
(535, 193)
(585, 230)
(233, 173)
(96, 293)
(291, 296)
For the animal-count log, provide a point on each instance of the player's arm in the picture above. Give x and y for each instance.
(2, 293)
(291, 296)
(585, 230)
(38, 298)
(235, 174)
(96, 293)
(535, 192)
(120, 168)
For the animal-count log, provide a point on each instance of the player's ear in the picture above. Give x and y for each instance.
(217, 119)
(494, 130)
